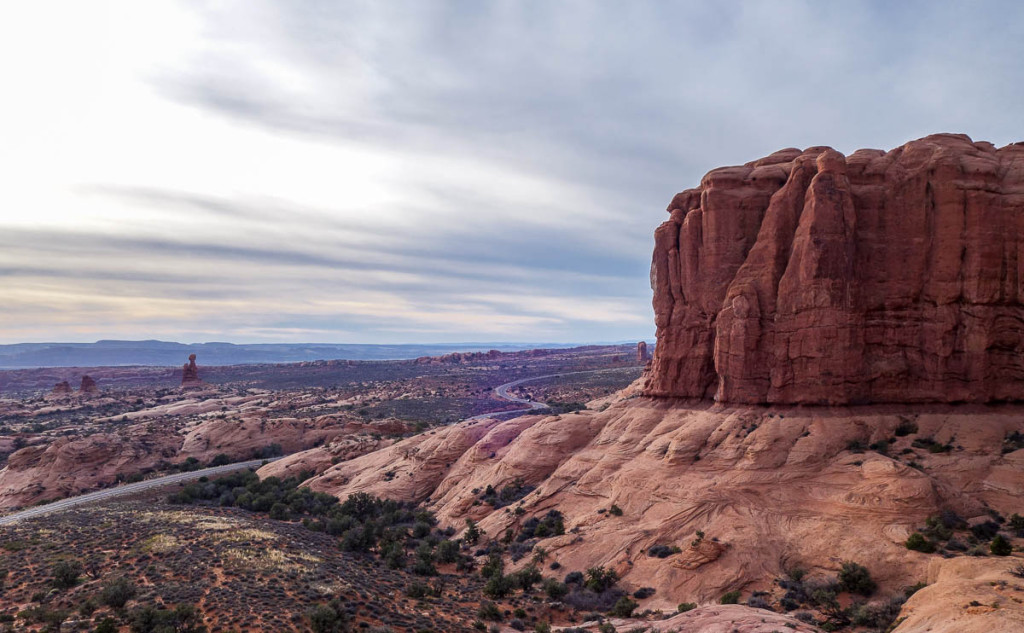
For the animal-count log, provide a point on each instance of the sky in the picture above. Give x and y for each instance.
(426, 171)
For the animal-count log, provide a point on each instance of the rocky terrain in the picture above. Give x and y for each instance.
(62, 442)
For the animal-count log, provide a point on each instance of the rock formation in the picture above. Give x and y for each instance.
(641, 352)
(810, 277)
(88, 385)
(190, 373)
(62, 388)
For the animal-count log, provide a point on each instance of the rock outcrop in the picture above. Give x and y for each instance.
(62, 388)
(810, 277)
(88, 386)
(772, 488)
(190, 373)
(641, 352)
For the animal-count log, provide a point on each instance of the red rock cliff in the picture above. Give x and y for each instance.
(810, 277)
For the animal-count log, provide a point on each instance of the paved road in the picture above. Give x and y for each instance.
(128, 489)
(502, 392)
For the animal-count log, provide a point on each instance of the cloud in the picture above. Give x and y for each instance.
(372, 172)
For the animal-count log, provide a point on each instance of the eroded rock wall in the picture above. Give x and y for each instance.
(809, 277)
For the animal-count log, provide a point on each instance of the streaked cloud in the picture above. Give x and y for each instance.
(427, 171)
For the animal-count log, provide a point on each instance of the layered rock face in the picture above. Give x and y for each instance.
(810, 277)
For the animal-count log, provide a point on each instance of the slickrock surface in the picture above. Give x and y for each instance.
(810, 277)
(778, 488)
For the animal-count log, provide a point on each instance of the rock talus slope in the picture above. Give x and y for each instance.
(810, 277)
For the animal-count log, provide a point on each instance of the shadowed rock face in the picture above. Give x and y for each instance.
(810, 277)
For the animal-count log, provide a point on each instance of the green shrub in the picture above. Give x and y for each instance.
(624, 607)
(856, 578)
(732, 597)
(65, 574)
(117, 593)
(919, 543)
(489, 611)
(686, 606)
(1000, 546)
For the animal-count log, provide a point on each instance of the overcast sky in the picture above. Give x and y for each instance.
(427, 171)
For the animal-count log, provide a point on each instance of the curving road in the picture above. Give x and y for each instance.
(502, 392)
(128, 489)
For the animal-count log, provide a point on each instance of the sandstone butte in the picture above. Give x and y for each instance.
(810, 277)
(808, 306)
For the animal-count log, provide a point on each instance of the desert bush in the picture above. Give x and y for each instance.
(919, 543)
(856, 579)
(659, 551)
(489, 611)
(985, 531)
(554, 589)
(624, 607)
(731, 597)
(65, 573)
(600, 579)
(686, 606)
(1000, 546)
(643, 593)
(180, 619)
(117, 593)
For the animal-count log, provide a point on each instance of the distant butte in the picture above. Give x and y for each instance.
(809, 277)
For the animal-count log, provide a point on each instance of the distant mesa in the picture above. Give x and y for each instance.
(190, 373)
(810, 277)
(88, 385)
(641, 352)
(62, 388)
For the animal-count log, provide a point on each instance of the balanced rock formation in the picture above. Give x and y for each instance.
(88, 385)
(190, 373)
(811, 277)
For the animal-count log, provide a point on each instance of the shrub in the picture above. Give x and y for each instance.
(732, 597)
(856, 578)
(1017, 524)
(117, 593)
(554, 589)
(600, 579)
(447, 551)
(985, 531)
(643, 593)
(328, 618)
(574, 578)
(659, 551)
(1000, 546)
(489, 611)
(180, 619)
(498, 586)
(525, 578)
(686, 606)
(624, 607)
(65, 574)
(905, 427)
(615, 511)
(107, 625)
(919, 543)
